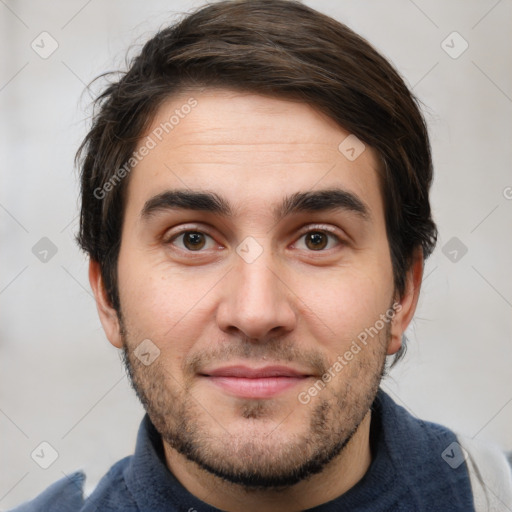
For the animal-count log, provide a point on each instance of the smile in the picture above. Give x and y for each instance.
(246, 382)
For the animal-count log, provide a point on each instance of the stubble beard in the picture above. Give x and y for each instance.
(259, 458)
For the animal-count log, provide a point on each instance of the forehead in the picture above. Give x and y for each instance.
(254, 147)
(247, 122)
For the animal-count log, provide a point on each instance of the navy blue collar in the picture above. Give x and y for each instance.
(407, 471)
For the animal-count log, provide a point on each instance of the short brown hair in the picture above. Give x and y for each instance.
(272, 47)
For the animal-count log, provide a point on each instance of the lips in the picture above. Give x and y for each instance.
(247, 382)
(254, 373)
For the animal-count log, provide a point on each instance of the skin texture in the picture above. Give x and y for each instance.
(299, 300)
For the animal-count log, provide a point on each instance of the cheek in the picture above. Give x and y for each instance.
(341, 305)
(166, 305)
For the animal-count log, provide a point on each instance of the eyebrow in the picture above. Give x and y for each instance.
(323, 200)
(311, 201)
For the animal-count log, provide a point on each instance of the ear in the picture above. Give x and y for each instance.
(405, 306)
(108, 315)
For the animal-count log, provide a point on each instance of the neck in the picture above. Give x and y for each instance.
(338, 476)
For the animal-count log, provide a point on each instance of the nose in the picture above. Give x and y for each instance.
(256, 302)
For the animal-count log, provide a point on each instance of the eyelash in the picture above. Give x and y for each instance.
(320, 229)
(310, 229)
(184, 232)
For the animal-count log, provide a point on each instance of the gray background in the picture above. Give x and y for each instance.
(63, 383)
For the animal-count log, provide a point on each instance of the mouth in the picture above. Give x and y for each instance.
(247, 382)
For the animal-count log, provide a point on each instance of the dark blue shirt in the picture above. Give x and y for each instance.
(408, 473)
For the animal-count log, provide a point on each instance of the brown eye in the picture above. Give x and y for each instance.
(193, 240)
(316, 240)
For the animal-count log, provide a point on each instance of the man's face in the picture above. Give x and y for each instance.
(256, 289)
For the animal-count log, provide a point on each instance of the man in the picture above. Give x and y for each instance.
(255, 208)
